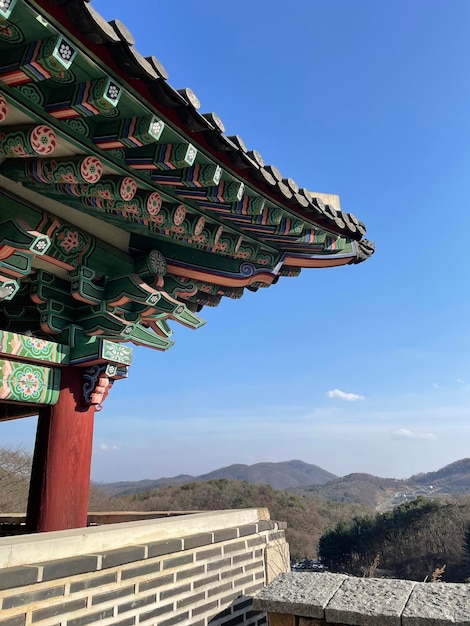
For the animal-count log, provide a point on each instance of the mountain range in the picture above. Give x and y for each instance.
(307, 479)
(286, 475)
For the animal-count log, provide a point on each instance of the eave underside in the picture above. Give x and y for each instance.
(113, 218)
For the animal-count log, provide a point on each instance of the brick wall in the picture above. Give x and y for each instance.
(201, 569)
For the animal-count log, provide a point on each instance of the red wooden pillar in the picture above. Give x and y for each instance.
(60, 478)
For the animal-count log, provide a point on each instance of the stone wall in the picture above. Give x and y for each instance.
(311, 599)
(195, 569)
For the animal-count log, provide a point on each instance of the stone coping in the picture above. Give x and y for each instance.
(25, 549)
(341, 599)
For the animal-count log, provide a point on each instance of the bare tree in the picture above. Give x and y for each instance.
(15, 471)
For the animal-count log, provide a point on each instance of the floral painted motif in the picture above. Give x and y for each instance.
(69, 244)
(157, 262)
(43, 140)
(128, 188)
(117, 352)
(199, 226)
(22, 382)
(68, 240)
(39, 346)
(179, 215)
(91, 169)
(9, 33)
(16, 150)
(28, 383)
(218, 234)
(154, 203)
(23, 141)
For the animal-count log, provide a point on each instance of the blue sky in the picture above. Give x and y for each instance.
(362, 368)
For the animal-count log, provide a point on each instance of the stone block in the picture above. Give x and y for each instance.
(234, 547)
(253, 589)
(58, 609)
(160, 548)
(247, 529)
(438, 604)
(18, 620)
(369, 601)
(219, 589)
(266, 525)
(176, 619)
(28, 597)
(254, 565)
(219, 565)
(161, 581)
(225, 534)
(160, 610)
(69, 567)
(208, 554)
(178, 560)
(137, 603)
(90, 618)
(190, 599)
(303, 594)
(129, 621)
(107, 596)
(195, 541)
(205, 608)
(230, 573)
(242, 558)
(175, 591)
(244, 580)
(193, 573)
(140, 570)
(256, 541)
(18, 576)
(207, 580)
(121, 556)
(91, 583)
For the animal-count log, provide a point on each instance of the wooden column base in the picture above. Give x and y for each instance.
(60, 478)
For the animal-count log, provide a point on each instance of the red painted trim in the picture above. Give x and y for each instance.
(217, 279)
(317, 262)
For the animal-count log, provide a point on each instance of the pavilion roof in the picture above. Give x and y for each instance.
(101, 133)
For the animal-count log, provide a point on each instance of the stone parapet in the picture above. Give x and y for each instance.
(313, 599)
(193, 569)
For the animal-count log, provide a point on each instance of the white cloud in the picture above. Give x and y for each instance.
(343, 395)
(107, 447)
(404, 433)
(459, 380)
(436, 386)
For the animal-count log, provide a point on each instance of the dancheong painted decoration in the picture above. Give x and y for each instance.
(122, 209)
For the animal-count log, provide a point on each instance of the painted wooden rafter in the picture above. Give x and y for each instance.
(135, 169)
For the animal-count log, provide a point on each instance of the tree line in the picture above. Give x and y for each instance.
(413, 541)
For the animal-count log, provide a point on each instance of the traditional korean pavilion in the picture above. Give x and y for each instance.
(122, 207)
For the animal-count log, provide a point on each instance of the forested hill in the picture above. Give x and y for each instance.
(361, 488)
(307, 518)
(307, 479)
(284, 475)
(384, 493)
(453, 478)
